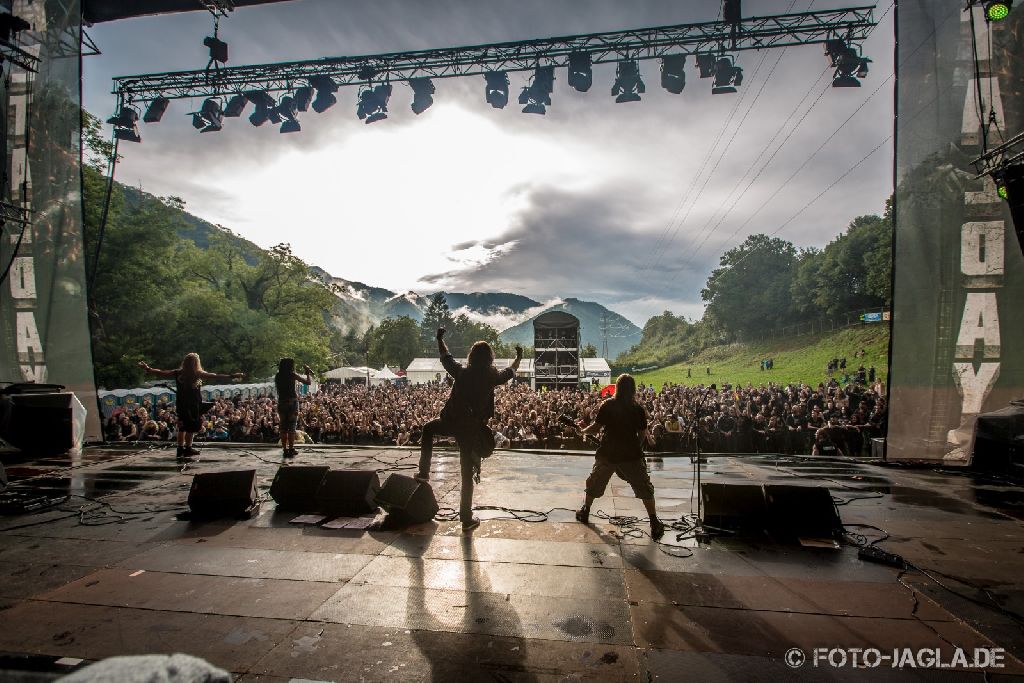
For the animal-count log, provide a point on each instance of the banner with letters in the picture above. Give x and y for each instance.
(43, 309)
(958, 281)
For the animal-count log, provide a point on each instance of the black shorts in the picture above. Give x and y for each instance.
(288, 411)
(633, 472)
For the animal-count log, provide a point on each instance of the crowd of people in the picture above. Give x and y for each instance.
(768, 418)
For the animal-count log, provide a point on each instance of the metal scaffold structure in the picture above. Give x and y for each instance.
(280, 90)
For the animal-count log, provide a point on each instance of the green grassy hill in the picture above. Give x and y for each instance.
(797, 359)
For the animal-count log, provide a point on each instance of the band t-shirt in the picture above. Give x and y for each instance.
(623, 424)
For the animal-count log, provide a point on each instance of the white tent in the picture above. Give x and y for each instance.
(386, 375)
(347, 373)
(423, 370)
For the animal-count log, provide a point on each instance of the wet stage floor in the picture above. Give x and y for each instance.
(113, 569)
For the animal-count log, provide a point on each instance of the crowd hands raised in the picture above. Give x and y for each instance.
(768, 418)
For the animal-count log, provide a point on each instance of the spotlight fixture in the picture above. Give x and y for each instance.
(287, 109)
(537, 95)
(848, 63)
(731, 12)
(497, 88)
(265, 107)
(997, 10)
(373, 103)
(218, 49)
(325, 88)
(126, 124)
(727, 76)
(673, 73)
(581, 73)
(210, 117)
(303, 96)
(155, 110)
(11, 25)
(706, 65)
(422, 94)
(628, 85)
(235, 106)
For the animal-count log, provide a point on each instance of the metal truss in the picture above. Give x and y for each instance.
(752, 33)
(14, 213)
(19, 57)
(1002, 157)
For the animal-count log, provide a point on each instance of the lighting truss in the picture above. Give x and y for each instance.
(752, 33)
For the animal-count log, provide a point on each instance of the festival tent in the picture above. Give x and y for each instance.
(385, 374)
(347, 373)
(596, 369)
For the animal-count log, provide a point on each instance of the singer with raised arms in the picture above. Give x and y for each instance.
(465, 414)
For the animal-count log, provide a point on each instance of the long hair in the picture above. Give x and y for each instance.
(481, 355)
(191, 364)
(285, 371)
(625, 388)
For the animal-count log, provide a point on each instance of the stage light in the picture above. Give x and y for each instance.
(11, 25)
(126, 124)
(303, 96)
(999, 10)
(373, 103)
(210, 117)
(848, 63)
(673, 73)
(497, 88)
(128, 134)
(325, 88)
(537, 95)
(287, 109)
(628, 85)
(581, 73)
(731, 12)
(1010, 186)
(706, 65)
(422, 94)
(235, 106)
(155, 110)
(726, 76)
(265, 107)
(218, 49)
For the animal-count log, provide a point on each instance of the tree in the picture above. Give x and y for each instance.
(395, 342)
(750, 290)
(589, 351)
(437, 315)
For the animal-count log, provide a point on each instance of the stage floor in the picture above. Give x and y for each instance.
(555, 600)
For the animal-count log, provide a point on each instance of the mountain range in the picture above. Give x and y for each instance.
(360, 305)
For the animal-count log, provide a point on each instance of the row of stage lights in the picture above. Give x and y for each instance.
(319, 91)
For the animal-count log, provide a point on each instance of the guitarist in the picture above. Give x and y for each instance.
(621, 451)
(465, 414)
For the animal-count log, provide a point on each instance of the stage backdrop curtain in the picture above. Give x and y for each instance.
(43, 314)
(958, 285)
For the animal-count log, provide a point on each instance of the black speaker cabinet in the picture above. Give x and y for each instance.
(44, 423)
(736, 507)
(406, 500)
(295, 487)
(223, 494)
(348, 492)
(801, 511)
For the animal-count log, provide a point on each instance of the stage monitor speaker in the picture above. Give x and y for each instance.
(736, 507)
(44, 423)
(406, 500)
(348, 492)
(295, 487)
(801, 511)
(223, 494)
(878, 448)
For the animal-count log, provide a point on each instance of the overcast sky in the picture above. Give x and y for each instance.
(626, 204)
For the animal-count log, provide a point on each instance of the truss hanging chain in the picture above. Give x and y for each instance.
(718, 37)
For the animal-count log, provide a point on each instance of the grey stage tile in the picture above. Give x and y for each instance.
(249, 562)
(781, 594)
(339, 653)
(771, 634)
(507, 550)
(20, 580)
(294, 538)
(95, 632)
(673, 665)
(549, 618)
(67, 551)
(267, 598)
(494, 577)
